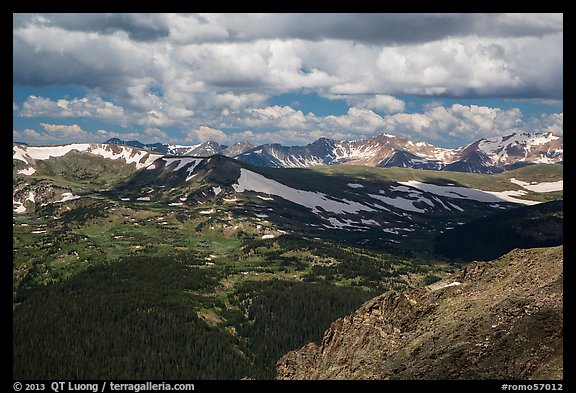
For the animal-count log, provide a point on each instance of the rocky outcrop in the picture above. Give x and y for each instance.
(493, 320)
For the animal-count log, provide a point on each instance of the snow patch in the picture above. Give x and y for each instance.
(398, 202)
(268, 237)
(540, 187)
(265, 198)
(455, 206)
(452, 284)
(471, 193)
(217, 190)
(355, 185)
(28, 171)
(130, 155)
(31, 196)
(251, 181)
(67, 196)
(20, 208)
(183, 162)
(341, 223)
(143, 198)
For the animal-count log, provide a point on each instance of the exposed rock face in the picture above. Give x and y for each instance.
(503, 320)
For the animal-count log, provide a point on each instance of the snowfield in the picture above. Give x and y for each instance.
(540, 187)
(471, 193)
(24, 153)
(251, 181)
(130, 155)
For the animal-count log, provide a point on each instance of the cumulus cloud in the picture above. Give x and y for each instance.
(437, 123)
(441, 123)
(65, 131)
(156, 134)
(137, 26)
(373, 28)
(553, 122)
(92, 107)
(29, 135)
(482, 60)
(475, 67)
(205, 73)
(386, 28)
(379, 102)
(204, 134)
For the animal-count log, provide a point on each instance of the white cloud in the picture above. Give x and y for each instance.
(62, 134)
(481, 51)
(90, 107)
(156, 134)
(204, 134)
(553, 122)
(65, 131)
(29, 135)
(212, 72)
(379, 102)
(357, 120)
(461, 121)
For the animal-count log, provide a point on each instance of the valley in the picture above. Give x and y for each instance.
(143, 258)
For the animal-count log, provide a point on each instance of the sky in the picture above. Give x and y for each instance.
(447, 79)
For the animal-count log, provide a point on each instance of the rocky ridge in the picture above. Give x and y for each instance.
(495, 320)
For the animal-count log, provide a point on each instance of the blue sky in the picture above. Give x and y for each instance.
(447, 79)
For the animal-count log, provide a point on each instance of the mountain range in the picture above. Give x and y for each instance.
(490, 155)
(376, 206)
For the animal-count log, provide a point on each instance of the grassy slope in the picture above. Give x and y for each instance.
(334, 177)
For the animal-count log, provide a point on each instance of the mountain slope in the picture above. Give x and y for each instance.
(48, 174)
(378, 207)
(352, 207)
(524, 227)
(497, 320)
